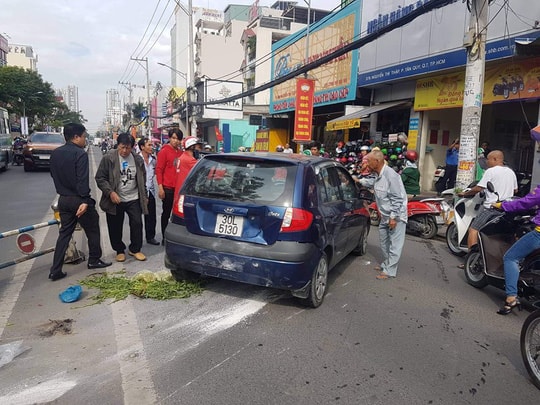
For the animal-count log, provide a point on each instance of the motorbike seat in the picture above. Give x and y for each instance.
(425, 197)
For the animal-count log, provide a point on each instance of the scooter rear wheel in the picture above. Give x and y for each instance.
(430, 228)
(530, 346)
(474, 270)
(452, 240)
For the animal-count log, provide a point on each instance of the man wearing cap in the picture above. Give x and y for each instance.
(192, 149)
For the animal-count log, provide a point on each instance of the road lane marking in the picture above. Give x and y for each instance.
(137, 384)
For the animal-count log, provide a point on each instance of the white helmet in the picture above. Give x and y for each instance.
(190, 141)
(365, 147)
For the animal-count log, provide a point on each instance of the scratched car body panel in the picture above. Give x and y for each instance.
(265, 219)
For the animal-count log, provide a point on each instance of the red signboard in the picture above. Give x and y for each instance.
(304, 109)
(25, 243)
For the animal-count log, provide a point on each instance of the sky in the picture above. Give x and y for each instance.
(89, 43)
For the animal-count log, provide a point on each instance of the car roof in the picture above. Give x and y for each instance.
(294, 158)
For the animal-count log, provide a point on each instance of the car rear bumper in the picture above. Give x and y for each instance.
(283, 265)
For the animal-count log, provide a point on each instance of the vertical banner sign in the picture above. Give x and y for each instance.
(304, 109)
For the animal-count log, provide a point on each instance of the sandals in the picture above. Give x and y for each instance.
(509, 306)
(461, 266)
(377, 268)
(382, 276)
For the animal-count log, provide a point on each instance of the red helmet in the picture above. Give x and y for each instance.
(411, 155)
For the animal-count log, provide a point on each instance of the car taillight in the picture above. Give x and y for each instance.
(296, 220)
(178, 206)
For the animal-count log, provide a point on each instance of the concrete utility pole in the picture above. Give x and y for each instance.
(475, 41)
(147, 125)
(190, 71)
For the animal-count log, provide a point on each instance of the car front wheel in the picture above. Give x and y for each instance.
(319, 281)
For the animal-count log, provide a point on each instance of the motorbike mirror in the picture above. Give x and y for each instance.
(490, 187)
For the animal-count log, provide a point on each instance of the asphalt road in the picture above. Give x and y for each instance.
(424, 338)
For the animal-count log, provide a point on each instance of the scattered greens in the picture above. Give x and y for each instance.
(158, 286)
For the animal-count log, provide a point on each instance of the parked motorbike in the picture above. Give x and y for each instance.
(524, 183)
(424, 215)
(530, 345)
(438, 176)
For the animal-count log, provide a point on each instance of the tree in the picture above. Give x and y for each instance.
(138, 110)
(23, 92)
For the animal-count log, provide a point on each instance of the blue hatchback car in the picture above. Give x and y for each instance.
(269, 219)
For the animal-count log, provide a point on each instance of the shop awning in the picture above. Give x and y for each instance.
(353, 120)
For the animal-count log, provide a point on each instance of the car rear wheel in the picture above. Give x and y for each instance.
(319, 281)
(361, 248)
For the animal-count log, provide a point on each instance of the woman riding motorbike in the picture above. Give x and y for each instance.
(520, 249)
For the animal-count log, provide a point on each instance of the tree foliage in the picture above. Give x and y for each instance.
(23, 92)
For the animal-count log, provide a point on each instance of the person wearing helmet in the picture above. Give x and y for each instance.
(410, 174)
(279, 148)
(192, 149)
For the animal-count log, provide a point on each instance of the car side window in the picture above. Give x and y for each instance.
(328, 183)
(347, 186)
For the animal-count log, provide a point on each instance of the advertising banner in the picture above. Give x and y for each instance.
(504, 82)
(304, 109)
(335, 81)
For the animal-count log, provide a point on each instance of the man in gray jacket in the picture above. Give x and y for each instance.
(392, 204)
(121, 177)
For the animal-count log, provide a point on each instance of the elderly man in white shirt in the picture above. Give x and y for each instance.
(392, 204)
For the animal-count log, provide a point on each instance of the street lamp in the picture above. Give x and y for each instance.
(185, 77)
(24, 118)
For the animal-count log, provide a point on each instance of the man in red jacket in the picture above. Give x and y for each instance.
(192, 148)
(166, 172)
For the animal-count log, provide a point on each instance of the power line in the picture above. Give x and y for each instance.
(425, 8)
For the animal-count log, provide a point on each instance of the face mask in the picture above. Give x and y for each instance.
(196, 154)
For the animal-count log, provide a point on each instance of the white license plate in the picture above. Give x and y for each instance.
(44, 157)
(230, 225)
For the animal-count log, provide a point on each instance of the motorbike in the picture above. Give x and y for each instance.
(530, 345)
(424, 215)
(484, 265)
(18, 157)
(465, 209)
(502, 89)
(438, 176)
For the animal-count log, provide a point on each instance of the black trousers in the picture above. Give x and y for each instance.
(150, 219)
(167, 208)
(67, 207)
(448, 180)
(115, 224)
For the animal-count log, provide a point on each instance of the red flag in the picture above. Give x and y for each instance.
(219, 135)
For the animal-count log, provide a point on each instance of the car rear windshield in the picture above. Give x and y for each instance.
(255, 180)
(48, 138)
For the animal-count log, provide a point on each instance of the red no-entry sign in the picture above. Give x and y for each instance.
(26, 243)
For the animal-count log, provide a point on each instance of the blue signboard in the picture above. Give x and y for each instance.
(498, 49)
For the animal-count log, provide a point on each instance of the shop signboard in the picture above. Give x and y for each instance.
(304, 109)
(262, 140)
(418, 48)
(343, 124)
(504, 82)
(335, 81)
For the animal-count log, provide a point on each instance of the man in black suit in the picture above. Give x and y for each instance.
(70, 172)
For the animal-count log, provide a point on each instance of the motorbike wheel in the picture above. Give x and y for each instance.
(452, 240)
(430, 229)
(374, 217)
(474, 270)
(530, 346)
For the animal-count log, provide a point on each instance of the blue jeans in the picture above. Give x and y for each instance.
(513, 256)
(392, 241)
